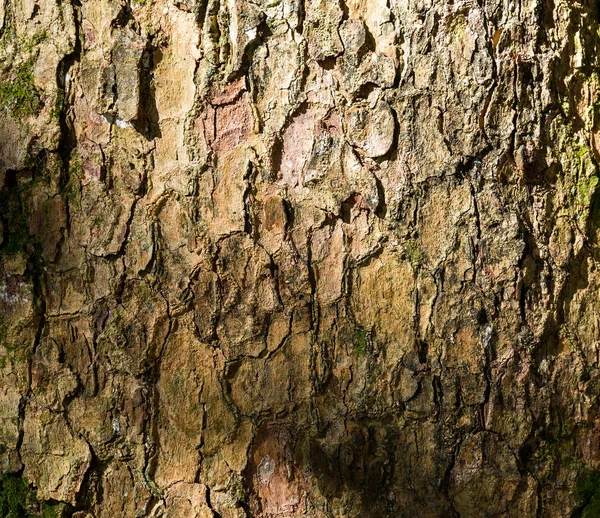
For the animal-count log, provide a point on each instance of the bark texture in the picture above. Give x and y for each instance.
(328, 258)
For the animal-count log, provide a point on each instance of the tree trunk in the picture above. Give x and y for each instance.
(327, 258)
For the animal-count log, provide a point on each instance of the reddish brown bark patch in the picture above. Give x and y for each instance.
(277, 485)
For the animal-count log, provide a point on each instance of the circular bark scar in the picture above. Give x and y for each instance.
(371, 129)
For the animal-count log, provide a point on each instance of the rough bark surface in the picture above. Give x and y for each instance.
(324, 258)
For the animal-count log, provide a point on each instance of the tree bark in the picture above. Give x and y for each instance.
(328, 258)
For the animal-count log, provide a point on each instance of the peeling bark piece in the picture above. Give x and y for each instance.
(382, 299)
(121, 492)
(127, 56)
(248, 295)
(51, 381)
(354, 37)
(244, 19)
(181, 413)
(407, 385)
(13, 145)
(371, 129)
(328, 255)
(323, 17)
(53, 456)
(360, 179)
(276, 74)
(184, 500)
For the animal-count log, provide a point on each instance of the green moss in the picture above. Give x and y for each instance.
(18, 93)
(98, 220)
(415, 255)
(587, 495)
(15, 497)
(238, 491)
(579, 151)
(586, 188)
(360, 341)
(53, 168)
(19, 96)
(50, 511)
(178, 385)
(16, 241)
(32, 43)
(224, 42)
(17, 500)
(579, 172)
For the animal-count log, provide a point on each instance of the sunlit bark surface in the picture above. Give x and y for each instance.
(326, 258)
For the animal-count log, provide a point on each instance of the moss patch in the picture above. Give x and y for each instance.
(19, 96)
(17, 500)
(586, 188)
(587, 495)
(415, 255)
(18, 93)
(360, 341)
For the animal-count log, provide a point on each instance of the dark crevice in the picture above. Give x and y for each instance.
(146, 122)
